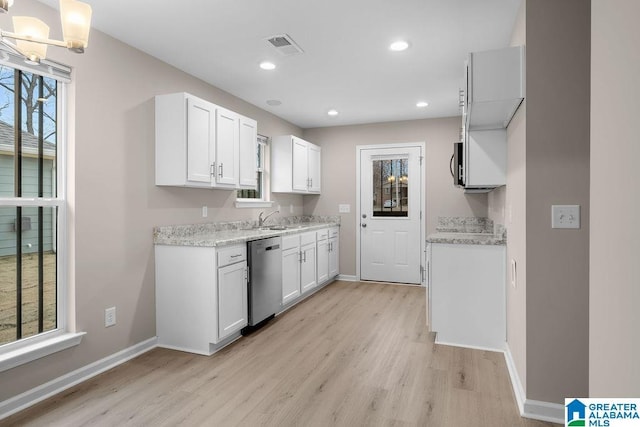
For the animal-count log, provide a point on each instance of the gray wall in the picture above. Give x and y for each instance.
(339, 174)
(615, 200)
(547, 313)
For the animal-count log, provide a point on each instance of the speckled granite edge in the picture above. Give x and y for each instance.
(231, 232)
(467, 239)
(462, 224)
(468, 231)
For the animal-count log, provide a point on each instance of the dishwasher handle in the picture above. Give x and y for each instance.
(272, 247)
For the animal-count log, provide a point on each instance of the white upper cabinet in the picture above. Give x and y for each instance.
(495, 87)
(227, 148)
(248, 153)
(200, 144)
(295, 166)
(300, 164)
(200, 140)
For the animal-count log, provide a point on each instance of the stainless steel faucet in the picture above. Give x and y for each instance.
(261, 220)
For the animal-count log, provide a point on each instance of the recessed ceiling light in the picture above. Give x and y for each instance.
(332, 112)
(266, 65)
(399, 46)
(422, 104)
(274, 102)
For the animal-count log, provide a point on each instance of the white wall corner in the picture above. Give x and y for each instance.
(534, 409)
(55, 386)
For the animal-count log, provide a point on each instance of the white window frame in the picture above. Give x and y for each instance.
(265, 201)
(25, 350)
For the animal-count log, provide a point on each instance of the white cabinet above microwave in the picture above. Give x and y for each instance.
(495, 87)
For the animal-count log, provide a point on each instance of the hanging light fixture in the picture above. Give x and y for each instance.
(31, 35)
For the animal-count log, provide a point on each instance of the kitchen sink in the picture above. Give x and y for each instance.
(272, 227)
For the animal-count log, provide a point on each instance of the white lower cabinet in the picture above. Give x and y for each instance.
(290, 268)
(201, 296)
(334, 252)
(308, 279)
(328, 254)
(232, 299)
(298, 265)
(322, 237)
(467, 295)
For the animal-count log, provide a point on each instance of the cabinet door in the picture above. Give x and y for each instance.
(300, 165)
(486, 158)
(308, 268)
(334, 257)
(323, 261)
(290, 274)
(248, 153)
(314, 162)
(200, 140)
(227, 147)
(233, 311)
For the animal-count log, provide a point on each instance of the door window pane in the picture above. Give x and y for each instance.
(390, 187)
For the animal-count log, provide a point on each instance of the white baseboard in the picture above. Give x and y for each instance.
(346, 277)
(534, 409)
(44, 391)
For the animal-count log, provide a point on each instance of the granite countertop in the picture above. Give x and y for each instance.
(229, 233)
(467, 238)
(468, 231)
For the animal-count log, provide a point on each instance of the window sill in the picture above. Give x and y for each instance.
(31, 352)
(253, 204)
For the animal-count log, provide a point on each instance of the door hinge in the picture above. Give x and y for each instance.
(421, 157)
(420, 214)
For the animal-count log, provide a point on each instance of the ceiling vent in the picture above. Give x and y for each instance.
(284, 45)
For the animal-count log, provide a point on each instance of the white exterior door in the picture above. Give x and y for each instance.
(390, 214)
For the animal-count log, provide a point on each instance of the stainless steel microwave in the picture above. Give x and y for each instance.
(456, 166)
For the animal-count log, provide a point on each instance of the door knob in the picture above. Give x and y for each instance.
(364, 225)
(364, 215)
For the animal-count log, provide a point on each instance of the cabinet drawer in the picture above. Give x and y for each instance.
(333, 232)
(306, 238)
(322, 235)
(289, 242)
(231, 255)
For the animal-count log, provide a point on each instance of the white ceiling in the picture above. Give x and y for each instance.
(346, 62)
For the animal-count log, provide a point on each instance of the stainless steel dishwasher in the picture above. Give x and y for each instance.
(265, 281)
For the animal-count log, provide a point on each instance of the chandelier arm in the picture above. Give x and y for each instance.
(15, 36)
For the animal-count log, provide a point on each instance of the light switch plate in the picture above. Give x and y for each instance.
(565, 216)
(344, 208)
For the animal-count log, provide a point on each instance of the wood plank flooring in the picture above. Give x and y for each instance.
(354, 354)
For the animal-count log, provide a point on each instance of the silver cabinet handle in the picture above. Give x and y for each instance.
(221, 169)
(305, 256)
(235, 256)
(212, 171)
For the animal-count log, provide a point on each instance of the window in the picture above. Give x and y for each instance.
(390, 178)
(258, 197)
(32, 212)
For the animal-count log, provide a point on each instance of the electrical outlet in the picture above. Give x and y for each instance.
(514, 273)
(109, 317)
(565, 216)
(205, 212)
(346, 208)
(290, 208)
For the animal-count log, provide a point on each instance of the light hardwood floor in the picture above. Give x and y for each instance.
(354, 354)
